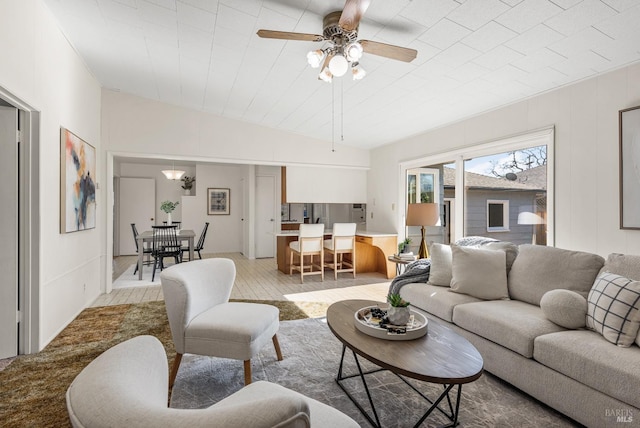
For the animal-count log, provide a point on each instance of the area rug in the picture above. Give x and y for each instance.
(32, 387)
(128, 279)
(311, 358)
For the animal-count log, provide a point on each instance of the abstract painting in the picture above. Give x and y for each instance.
(77, 183)
(218, 201)
(630, 168)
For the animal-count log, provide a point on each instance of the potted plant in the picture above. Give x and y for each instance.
(188, 184)
(398, 312)
(403, 247)
(168, 207)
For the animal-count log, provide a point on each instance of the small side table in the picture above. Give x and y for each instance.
(401, 264)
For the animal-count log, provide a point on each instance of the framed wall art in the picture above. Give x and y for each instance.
(77, 183)
(218, 201)
(629, 120)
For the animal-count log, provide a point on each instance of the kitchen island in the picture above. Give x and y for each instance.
(372, 249)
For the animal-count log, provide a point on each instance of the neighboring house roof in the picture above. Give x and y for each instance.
(534, 179)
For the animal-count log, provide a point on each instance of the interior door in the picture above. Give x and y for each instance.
(137, 203)
(9, 249)
(265, 216)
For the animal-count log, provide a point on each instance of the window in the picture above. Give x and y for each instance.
(497, 215)
(501, 186)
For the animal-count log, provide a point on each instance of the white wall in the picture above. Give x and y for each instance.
(41, 69)
(166, 190)
(225, 231)
(135, 125)
(585, 116)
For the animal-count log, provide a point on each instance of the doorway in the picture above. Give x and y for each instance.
(19, 302)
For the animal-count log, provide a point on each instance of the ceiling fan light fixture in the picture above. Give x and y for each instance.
(358, 72)
(338, 65)
(314, 58)
(326, 75)
(354, 51)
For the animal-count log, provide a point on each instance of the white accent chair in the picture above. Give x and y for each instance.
(204, 322)
(309, 243)
(342, 242)
(126, 386)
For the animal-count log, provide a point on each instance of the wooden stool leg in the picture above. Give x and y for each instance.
(174, 369)
(247, 372)
(276, 345)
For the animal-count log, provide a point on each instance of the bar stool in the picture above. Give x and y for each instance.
(309, 243)
(342, 242)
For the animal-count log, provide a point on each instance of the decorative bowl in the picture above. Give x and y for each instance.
(371, 325)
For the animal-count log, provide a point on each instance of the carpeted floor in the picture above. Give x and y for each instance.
(32, 387)
(311, 358)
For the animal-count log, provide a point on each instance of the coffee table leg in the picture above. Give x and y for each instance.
(360, 373)
(454, 417)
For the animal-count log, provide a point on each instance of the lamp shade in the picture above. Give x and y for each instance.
(527, 217)
(422, 214)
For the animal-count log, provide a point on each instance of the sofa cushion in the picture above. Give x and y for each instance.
(479, 273)
(585, 356)
(539, 269)
(509, 323)
(624, 265)
(566, 308)
(614, 308)
(436, 300)
(440, 273)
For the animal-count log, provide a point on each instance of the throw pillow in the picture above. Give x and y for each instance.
(509, 248)
(566, 308)
(614, 308)
(440, 273)
(479, 273)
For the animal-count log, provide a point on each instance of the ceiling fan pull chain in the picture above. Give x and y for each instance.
(342, 110)
(333, 119)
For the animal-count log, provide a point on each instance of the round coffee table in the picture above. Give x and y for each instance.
(442, 357)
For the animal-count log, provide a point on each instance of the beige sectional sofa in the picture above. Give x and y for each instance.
(537, 338)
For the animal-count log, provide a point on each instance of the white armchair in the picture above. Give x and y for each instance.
(204, 322)
(126, 386)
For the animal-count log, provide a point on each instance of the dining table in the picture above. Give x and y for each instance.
(147, 237)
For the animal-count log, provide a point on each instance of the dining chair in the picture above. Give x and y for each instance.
(342, 242)
(309, 243)
(165, 244)
(200, 245)
(146, 250)
(177, 224)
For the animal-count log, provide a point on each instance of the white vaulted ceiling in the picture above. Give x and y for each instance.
(473, 56)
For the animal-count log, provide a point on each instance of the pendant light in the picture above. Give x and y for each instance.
(173, 173)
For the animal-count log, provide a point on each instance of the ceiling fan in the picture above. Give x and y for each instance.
(340, 29)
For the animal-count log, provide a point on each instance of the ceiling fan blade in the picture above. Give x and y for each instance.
(389, 51)
(352, 14)
(325, 64)
(286, 35)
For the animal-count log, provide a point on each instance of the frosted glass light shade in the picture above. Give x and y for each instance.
(173, 174)
(338, 65)
(314, 58)
(354, 51)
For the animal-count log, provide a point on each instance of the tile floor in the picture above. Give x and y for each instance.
(261, 280)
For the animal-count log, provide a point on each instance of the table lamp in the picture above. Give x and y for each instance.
(423, 215)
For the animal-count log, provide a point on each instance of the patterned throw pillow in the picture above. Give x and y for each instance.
(614, 308)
